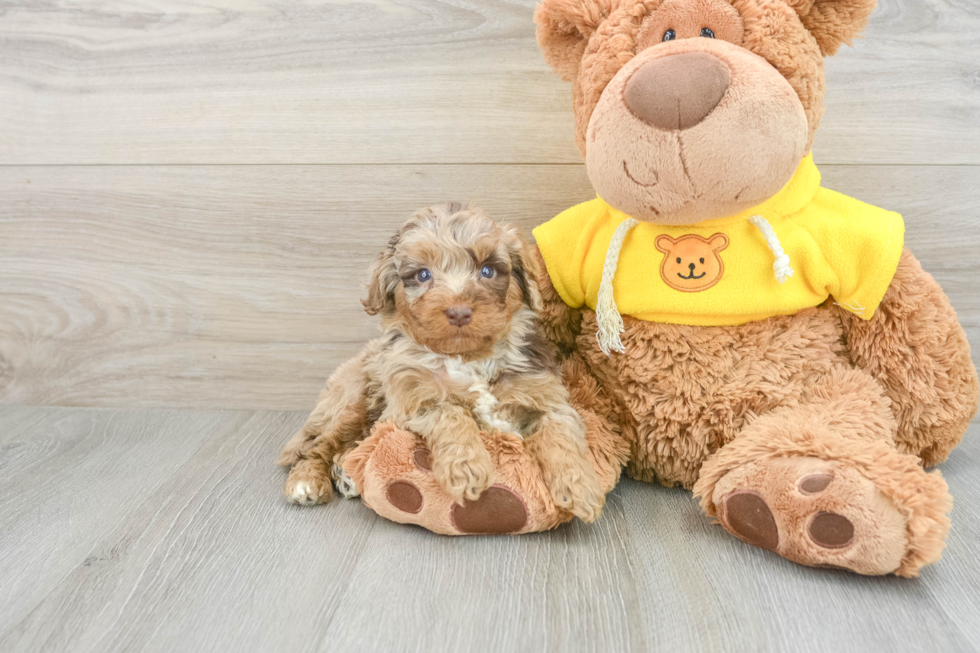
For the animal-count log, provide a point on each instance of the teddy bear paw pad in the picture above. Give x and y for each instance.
(498, 510)
(747, 515)
(814, 512)
(405, 496)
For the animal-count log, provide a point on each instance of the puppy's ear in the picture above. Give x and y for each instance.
(384, 281)
(833, 22)
(564, 28)
(525, 269)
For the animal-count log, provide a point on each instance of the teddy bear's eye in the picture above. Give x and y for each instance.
(707, 33)
(678, 259)
(670, 35)
(702, 261)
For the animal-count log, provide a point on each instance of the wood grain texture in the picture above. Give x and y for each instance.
(69, 478)
(239, 286)
(405, 81)
(209, 556)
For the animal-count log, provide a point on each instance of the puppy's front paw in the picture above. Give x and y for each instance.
(464, 474)
(575, 488)
(308, 483)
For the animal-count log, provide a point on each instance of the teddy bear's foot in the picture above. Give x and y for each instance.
(814, 512)
(869, 509)
(393, 471)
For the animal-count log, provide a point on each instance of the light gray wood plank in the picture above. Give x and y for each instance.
(567, 590)
(909, 82)
(214, 560)
(405, 81)
(239, 286)
(723, 594)
(69, 477)
(960, 597)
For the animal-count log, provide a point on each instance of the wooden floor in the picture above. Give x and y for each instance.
(190, 194)
(165, 530)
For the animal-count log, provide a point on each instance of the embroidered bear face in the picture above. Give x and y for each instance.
(692, 263)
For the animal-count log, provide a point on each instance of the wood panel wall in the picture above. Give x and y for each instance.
(190, 192)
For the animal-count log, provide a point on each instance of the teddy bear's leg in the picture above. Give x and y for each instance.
(916, 349)
(821, 483)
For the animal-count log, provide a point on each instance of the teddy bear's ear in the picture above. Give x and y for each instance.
(664, 243)
(833, 22)
(564, 27)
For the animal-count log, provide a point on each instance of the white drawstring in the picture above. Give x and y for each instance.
(780, 266)
(607, 316)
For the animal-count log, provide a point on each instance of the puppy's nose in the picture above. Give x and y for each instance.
(677, 91)
(459, 315)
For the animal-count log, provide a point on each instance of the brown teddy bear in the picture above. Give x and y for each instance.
(726, 324)
(781, 354)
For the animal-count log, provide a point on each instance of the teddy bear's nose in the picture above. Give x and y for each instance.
(690, 267)
(677, 91)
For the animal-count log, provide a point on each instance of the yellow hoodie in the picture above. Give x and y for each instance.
(726, 271)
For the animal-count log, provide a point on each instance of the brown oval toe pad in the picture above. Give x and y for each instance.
(831, 531)
(422, 459)
(404, 496)
(815, 483)
(746, 514)
(498, 510)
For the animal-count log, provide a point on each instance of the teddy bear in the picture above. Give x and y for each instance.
(726, 324)
(766, 342)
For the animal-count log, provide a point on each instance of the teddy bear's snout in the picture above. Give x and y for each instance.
(678, 91)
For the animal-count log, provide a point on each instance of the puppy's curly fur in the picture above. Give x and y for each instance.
(460, 353)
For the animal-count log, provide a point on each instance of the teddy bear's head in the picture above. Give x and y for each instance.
(688, 110)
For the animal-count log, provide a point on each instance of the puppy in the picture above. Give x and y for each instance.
(460, 353)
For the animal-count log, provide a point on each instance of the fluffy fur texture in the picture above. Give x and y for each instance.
(806, 433)
(459, 355)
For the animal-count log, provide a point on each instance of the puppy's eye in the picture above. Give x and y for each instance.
(487, 272)
(423, 275)
(707, 33)
(670, 35)
(678, 259)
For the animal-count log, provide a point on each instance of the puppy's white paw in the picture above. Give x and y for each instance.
(345, 484)
(304, 494)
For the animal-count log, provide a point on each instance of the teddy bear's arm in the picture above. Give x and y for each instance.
(560, 322)
(915, 347)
